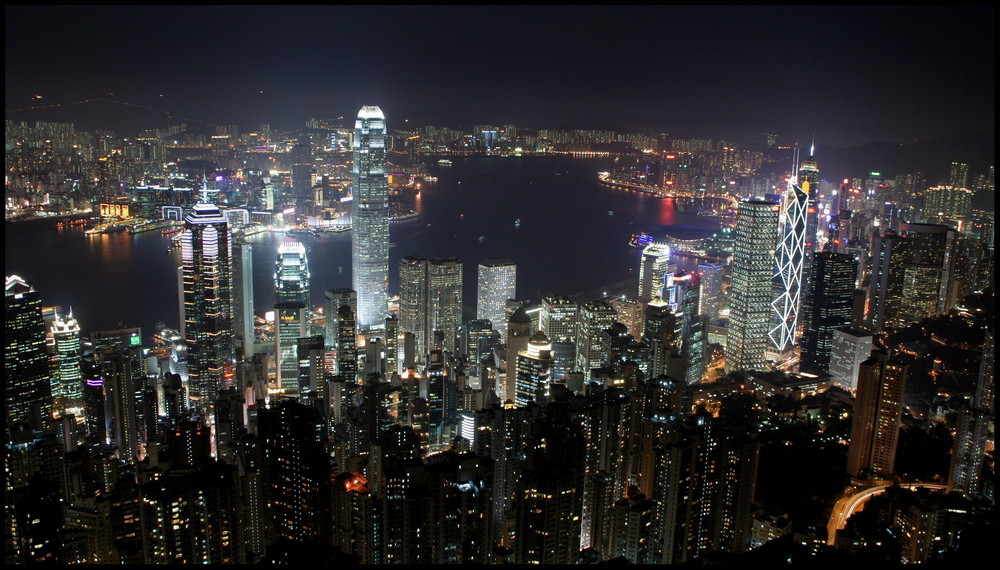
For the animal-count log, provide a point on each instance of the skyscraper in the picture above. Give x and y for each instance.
(974, 422)
(594, 318)
(751, 291)
(334, 299)
(832, 305)
(654, 265)
(497, 283)
(25, 363)
(790, 256)
(534, 370)
(67, 388)
(430, 301)
(243, 323)
(206, 279)
(877, 412)
(370, 219)
(291, 299)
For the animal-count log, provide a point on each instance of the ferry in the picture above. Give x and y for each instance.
(444, 162)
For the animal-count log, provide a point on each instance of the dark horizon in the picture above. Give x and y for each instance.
(846, 75)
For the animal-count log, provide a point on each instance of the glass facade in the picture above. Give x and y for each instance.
(370, 219)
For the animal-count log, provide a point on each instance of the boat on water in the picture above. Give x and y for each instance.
(517, 223)
(154, 225)
(444, 162)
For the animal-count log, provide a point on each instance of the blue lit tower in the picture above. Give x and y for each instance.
(25, 362)
(790, 258)
(206, 294)
(370, 219)
(291, 298)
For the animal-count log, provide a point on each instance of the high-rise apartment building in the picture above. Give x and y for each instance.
(25, 362)
(959, 175)
(711, 289)
(291, 302)
(206, 290)
(948, 205)
(966, 473)
(752, 285)
(877, 411)
(497, 283)
(370, 219)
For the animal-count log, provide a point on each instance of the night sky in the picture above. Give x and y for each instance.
(849, 75)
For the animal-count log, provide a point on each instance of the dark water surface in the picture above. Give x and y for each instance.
(572, 240)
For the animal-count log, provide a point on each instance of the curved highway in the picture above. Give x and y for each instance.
(849, 505)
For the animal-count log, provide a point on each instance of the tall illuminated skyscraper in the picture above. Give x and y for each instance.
(291, 299)
(497, 283)
(653, 267)
(206, 291)
(370, 219)
(790, 256)
(831, 308)
(67, 388)
(25, 363)
(243, 297)
(752, 285)
(430, 302)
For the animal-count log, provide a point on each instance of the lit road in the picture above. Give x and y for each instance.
(849, 505)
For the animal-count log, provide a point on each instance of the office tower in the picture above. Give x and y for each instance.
(475, 331)
(592, 319)
(517, 334)
(67, 387)
(790, 257)
(711, 289)
(346, 345)
(243, 321)
(959, 175)
(430, 302)
(704, 472)
(948, 205)
(207, 324)
(660, 331)
(848, 349)
(965, 475)
(302, 170)
(370, 219)
(333, 300)
(877, 411)
(312, 374)
(392, 346)
(629, 313)
(558, 318)
(653, 267)
(444, 296)
(123, 371)
(751, 291)
(534, 371)
(693, 326)
(889, 255)
(928, 287)
(831, 308)
(291, 317)
(497, 283)
(25, 362)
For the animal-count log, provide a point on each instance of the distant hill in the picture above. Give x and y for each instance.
(125, 119)
(932, 157)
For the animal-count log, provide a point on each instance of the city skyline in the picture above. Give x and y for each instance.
(846, 75)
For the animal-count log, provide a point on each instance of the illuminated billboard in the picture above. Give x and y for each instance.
(114, 210)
